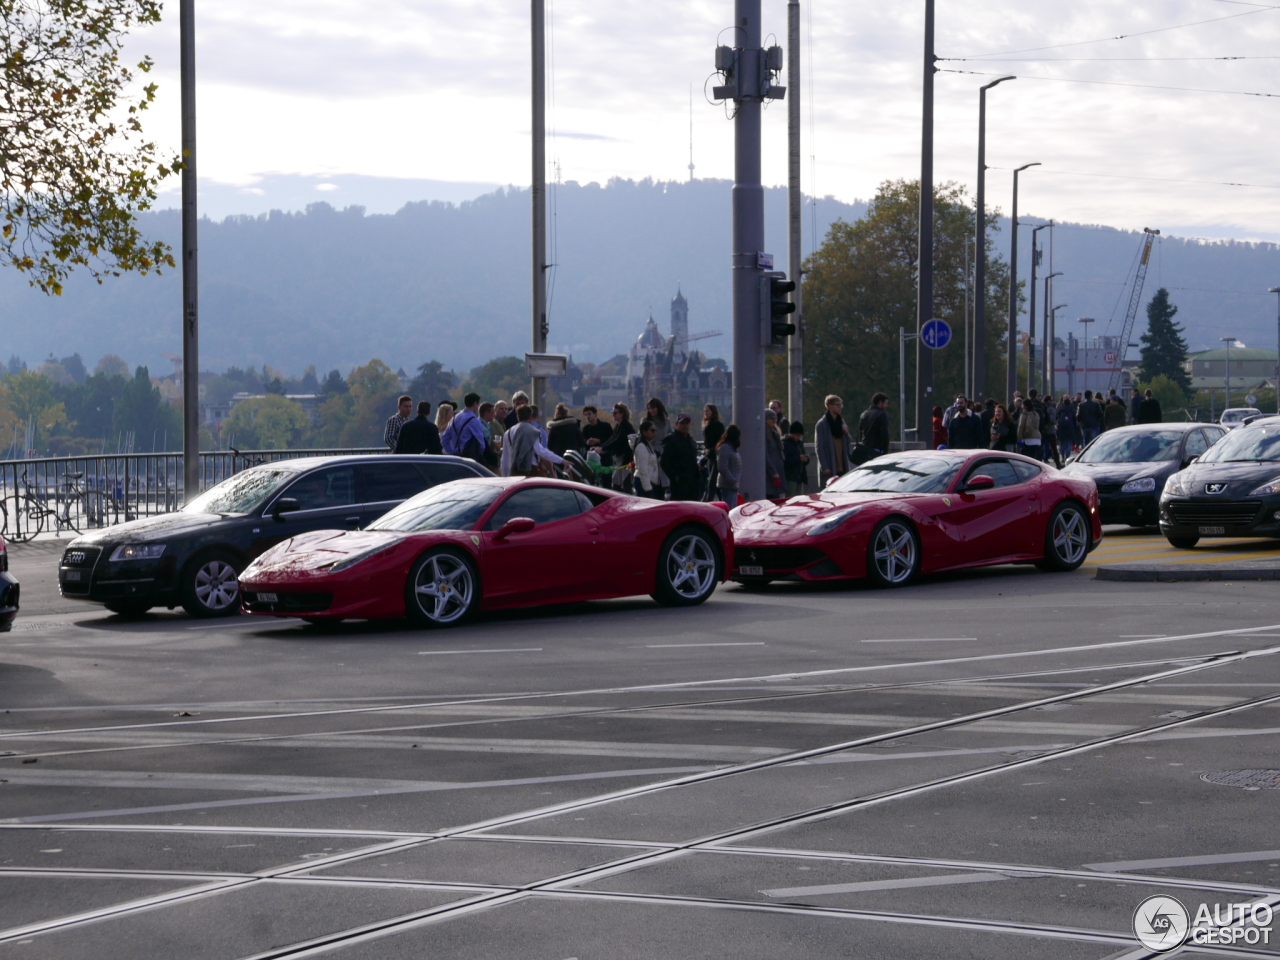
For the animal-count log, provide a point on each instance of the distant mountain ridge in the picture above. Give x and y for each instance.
(450, 281)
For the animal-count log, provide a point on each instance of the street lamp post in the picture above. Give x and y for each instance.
(1051, 346)
(1046, 364)
(980, 251)
(1226, 401)
(1011, 381)
(1031, 322)
(903, 337)
(1277, 290)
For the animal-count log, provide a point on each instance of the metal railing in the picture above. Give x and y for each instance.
(57, 494)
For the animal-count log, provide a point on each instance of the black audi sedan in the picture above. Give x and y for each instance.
(1232, 490)
(193, 557)
(9, 590)
(1129, 466)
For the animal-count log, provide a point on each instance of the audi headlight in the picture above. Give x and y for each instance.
(1144, 485)
(138, 551)
(348, 562)
(829, 524)
(1176, 486)
(1272, 486)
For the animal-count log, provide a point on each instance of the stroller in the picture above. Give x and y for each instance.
(578, 468)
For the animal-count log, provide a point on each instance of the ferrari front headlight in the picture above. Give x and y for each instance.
(829, 524)
(348, 562)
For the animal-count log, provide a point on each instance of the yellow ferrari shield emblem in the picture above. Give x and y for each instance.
(475, 540)
(946, 501)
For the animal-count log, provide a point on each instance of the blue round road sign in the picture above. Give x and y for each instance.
(936, 334)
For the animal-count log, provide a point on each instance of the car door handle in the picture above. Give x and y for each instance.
(593, 530)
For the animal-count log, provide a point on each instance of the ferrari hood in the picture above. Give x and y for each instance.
(804, 510)
(323, 548)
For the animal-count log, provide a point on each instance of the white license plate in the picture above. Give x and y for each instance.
(751, 571)
(73, 574)
(1212, 531)
(268, 598)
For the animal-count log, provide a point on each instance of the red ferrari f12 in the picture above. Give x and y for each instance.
(492, 543)
(904, 514)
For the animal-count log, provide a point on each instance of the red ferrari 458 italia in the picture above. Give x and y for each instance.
(920, 512)
(490, 543)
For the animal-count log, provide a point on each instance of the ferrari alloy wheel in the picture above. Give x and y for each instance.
(893, 554)
(688, 568)
(443, 589)
(1066, 539)
(211, 586)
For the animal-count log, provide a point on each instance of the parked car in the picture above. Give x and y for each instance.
(9, 591)
(923, 511)
(1131, 464)
(491, 544)
(1235, 416)
(1232, 490)
(193, 557)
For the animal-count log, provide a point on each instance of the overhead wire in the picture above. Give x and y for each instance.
(1134, 176)
(1120, 83)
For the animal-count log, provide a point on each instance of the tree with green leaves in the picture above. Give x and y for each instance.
(1164, 350)
(433, 382)
(73, 170)
(860, 287)
(269, 422)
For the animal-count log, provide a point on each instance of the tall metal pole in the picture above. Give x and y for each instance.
(980, 251)
(1050, 386)
(795, 206)
(924, 245)
(539, 193)
(1011, 380)
(748, 243)
(1047, 361)
(1031, 328)
(190, 257)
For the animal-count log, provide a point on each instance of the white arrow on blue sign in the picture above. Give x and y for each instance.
(936, 334)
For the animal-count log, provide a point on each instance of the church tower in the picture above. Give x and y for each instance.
(680, 321)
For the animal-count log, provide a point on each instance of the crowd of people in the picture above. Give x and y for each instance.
(661, 459)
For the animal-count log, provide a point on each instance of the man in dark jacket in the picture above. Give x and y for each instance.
(965, 431)
(873, 425)
(1149, 410)
(679, 461)
(419, 435)
(1115, 414)
(1088, 418)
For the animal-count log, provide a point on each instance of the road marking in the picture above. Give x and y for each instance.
(927, 640)
(1122, 866)
(438, 653)
(658, 646)
(1139, 636)
(871, 886)
(249, 783)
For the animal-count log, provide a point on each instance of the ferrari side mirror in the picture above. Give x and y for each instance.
(980, 482)
(514, 525)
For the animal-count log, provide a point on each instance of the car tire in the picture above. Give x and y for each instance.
(442, 589)
(1066, 538)
(128, 608)
(688, 568)
(893, 553)
(1183, 543)
(211, 585)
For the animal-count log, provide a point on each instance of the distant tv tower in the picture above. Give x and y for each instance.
(691, 132)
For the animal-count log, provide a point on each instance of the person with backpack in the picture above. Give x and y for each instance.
(648, 482)
(523, 452)
(467, 435)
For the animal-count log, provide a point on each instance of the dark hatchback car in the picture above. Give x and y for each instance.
(1129, 466)
(193, 558)
(9, 590)
(1233, 490)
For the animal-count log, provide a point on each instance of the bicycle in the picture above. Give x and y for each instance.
(74, 507)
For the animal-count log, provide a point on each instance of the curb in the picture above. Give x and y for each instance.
(1169, 573)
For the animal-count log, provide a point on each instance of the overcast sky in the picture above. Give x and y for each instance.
(438, 90)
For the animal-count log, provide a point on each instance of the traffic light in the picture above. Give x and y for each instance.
(776, 326)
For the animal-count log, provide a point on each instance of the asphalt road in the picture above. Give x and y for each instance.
(1000, 764)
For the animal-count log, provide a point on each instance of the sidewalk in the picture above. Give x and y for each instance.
(1142, 556)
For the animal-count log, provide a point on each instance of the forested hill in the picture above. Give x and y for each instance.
(450, 282)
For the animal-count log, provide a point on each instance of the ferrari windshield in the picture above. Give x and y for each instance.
(243, 493)
(450, 506)
(905, 473)
(1133, 446)
(1255, 441)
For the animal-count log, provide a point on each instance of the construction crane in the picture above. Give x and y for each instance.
(699, 336)
(1135, 297)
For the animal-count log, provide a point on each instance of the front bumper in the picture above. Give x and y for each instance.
(785, 563)
(1215, 517)
(85, 574)
(1136, 509)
